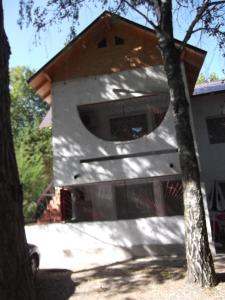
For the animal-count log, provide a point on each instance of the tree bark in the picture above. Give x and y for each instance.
(15, 272)
(200, 265)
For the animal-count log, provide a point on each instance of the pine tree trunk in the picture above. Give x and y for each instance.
(15, 272)
(200, 265)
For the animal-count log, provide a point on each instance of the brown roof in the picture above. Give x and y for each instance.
(80, 58)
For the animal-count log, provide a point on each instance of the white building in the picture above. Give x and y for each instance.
(115, 150)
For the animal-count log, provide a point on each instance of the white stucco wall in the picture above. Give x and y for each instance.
(73, 142)
(211, 156)
(83, 245)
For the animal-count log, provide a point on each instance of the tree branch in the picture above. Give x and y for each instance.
(216, 3)
(143, 15)
(119, 7)
(198, 29)
(198, 16)
(157, 9)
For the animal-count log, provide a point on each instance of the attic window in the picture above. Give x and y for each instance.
(102, 43)
(119, 41)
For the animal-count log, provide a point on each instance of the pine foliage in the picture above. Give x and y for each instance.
(32, 145)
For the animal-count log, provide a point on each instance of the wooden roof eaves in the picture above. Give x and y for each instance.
(201, 51)
(67, 46)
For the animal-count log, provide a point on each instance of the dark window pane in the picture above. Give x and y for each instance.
(173, 198)
(128, 128)
(119, 41)
(102, 43)
(123, 120)
(83, 206)
(222, 186)
(216, 130)
(65, 204)
(135, 201)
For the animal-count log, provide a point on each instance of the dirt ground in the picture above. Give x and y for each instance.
(142, 279)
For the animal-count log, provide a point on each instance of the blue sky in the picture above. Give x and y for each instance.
(24, 52)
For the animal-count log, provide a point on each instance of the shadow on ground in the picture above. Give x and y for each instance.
(54, 284)
(131, 276)
(123, 277)
(127, 280)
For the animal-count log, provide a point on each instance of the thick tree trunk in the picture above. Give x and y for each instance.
(15, 271)
(199, 259)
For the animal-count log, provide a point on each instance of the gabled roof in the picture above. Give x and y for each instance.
(41, 81)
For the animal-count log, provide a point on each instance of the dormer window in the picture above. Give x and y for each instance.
(119, 41)
(102, 43)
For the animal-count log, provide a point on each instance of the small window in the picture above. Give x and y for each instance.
(119, 41)
(216, 129)
(102, 43)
